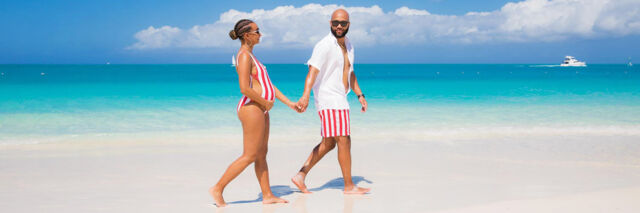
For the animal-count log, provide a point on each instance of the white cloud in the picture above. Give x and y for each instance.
(151, 37)
(405, 11)
(525, 21)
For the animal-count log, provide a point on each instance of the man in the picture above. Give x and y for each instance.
(331, 76)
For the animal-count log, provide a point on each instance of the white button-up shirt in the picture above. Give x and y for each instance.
(328, 90)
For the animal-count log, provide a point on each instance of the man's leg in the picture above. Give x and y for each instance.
(326, 145)
(344, 158)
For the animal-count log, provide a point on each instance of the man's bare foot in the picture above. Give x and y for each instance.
(273, 199)
(356, 190)
(217, 197)
(298, 180)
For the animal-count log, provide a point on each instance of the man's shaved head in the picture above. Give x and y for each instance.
(340, 14)
(339, 23)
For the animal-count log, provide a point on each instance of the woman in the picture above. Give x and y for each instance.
(253, 112)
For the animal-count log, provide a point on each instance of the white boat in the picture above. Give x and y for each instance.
(233, 60)
(570, 61)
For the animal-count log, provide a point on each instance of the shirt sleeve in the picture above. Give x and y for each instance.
(352, 60)
(318, 57)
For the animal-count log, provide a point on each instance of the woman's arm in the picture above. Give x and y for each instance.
(285, 100)
(244, 71)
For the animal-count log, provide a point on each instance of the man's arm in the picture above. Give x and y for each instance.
(303, 103)
(356, 89)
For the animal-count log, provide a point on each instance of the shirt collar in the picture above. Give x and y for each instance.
(335, 40)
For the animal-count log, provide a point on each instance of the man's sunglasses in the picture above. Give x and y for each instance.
(341, 23)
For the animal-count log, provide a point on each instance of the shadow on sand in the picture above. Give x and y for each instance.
(338, 183)
(282, 190)
(278, 190)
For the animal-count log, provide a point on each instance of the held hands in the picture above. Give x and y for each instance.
(302, 104)
(363, 102)
(294, 106)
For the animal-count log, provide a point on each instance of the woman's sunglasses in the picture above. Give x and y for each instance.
(341, 23)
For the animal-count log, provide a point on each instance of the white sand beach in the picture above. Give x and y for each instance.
(527, 174)
(135, 107)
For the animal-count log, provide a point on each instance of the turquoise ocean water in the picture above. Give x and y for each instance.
(424, 101)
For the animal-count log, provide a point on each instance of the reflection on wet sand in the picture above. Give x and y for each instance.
(270, 208)
(219, 209)
(349, 201)
(300, 203)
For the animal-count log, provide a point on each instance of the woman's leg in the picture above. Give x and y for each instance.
(252, 118)
(262, 170)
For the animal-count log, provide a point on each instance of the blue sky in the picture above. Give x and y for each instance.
(396, 31)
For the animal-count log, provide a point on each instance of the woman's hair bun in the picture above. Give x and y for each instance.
(240, 29)
(233, 35)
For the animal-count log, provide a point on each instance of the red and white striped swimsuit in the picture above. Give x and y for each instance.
(335, 122)
(262, 76)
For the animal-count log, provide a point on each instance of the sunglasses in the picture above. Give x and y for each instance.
(341, 23)
(256, 31)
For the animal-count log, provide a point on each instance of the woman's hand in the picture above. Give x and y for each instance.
(294, 106)
(268, 105)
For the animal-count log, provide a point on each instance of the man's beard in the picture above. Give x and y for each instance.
(343, 34)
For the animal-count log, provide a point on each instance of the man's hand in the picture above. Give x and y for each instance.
(303, 103)
(363, 102)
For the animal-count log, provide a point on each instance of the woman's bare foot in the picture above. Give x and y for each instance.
(356, 190)
(273, 199)
(217, 197)
(298, 180)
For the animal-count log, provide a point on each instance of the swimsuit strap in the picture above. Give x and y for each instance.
(255, 62)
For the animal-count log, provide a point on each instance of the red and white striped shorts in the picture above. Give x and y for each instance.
(335, 122)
